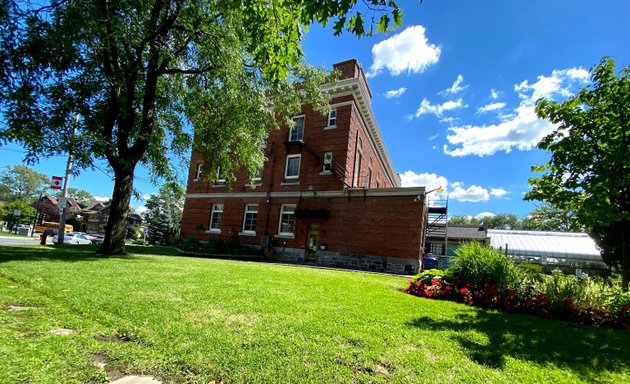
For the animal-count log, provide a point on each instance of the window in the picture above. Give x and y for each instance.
(220, 178)
(332, 118)
(297, 132)
(249, 219)
(286, 226)
(215, 218)
(327, 162)
(369, 178)
(292, 170)
(198, 171)
(257, 176)
(357, 170)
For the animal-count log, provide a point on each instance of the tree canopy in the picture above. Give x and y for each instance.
(589, 170)
(164, 214)
(134, 81)
(20, 183)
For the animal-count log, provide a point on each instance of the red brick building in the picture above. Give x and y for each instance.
(327, 193)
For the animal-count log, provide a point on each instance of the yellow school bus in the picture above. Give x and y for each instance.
(52, 225)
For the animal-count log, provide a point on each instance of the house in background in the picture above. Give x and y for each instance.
(96, 215)
(48, 208)
(327, 194)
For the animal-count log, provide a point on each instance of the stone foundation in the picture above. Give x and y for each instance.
(351, 261)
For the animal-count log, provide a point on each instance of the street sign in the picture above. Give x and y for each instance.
(56, 182)
(17, 212)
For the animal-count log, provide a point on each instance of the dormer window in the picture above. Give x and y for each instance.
(332, 118)
(296, 133)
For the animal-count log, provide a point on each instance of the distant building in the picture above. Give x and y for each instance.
(96, 216)
(565, 250)
(328, 193)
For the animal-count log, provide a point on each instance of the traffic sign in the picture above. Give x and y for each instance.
(56, 182)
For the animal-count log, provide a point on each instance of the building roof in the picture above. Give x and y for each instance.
(563, 245)
(466, 232)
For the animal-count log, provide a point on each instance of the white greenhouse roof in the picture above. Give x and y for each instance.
(560, 245)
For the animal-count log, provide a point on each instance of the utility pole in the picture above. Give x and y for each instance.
(63, 201)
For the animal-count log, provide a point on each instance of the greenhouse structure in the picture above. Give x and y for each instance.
(571, 252)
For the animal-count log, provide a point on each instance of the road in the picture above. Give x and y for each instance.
(19, 240)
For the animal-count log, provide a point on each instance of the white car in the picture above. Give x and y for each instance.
(74, 238)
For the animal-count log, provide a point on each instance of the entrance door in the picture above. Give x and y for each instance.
(312, 244)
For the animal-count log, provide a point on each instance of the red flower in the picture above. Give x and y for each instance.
(428, 293)
(464, 291)
(512, 292)
(625, 308)
(568, 302)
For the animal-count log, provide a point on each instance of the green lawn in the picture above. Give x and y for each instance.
(192, 320)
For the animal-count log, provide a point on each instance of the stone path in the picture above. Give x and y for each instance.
(137, 380)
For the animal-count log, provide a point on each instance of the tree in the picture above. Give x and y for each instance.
(20, 183)
(546, 217)
(500, 221)
(164, 213)
(589, 170)
(123, 80)
(80, 195)
(27, 213)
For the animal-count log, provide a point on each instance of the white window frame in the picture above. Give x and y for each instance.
(250, 209)
(286, 166)
(328, 158)
(216, 208)
(198, 171)
(257, 177)
(286, 209)
(332, 118)
(291, 130)
(219, 179)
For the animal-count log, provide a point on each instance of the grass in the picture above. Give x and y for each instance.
(192, 320)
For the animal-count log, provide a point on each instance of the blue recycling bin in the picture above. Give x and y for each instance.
(429, 262)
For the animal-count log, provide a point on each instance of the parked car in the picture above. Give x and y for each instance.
(96, 239)
(74, 238)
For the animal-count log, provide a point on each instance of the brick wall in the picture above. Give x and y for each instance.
(374, 225)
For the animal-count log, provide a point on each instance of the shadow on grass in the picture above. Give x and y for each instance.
(588, 351)
(57, 252)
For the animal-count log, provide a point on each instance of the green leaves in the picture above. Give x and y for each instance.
(589, 169)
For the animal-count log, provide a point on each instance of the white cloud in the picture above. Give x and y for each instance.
(494, 94)
(456, 87)
(498, 192)
(395, 92)
(434, 137)
(141, 209)
(437, 109)
(145, 196)
(522, 129)
(102, 198)
(491, 107)
(455, 190)
(408, 51)
(472, 194)
(483, 215)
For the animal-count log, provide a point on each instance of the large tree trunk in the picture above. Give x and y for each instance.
(116, 233)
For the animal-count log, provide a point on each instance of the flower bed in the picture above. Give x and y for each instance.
(529, 297)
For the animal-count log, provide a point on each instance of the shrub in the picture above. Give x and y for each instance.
(480, 265)
(427, 275)
(530, 269)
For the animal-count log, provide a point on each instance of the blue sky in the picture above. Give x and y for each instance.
(453, 91)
